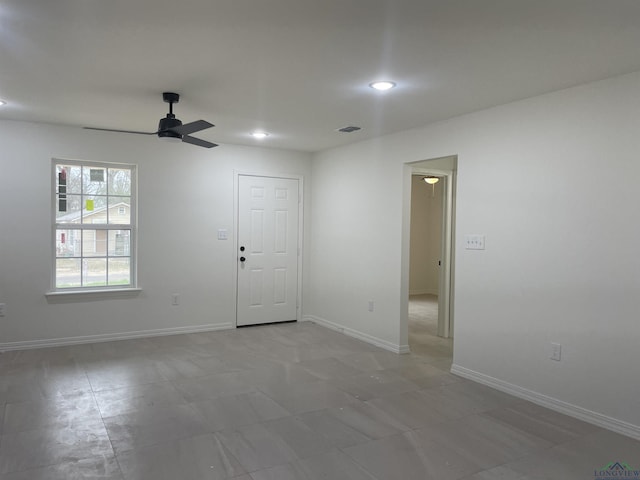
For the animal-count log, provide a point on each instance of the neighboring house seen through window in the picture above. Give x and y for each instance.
(94, 223)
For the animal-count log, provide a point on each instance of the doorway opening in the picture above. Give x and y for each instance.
(429, 266)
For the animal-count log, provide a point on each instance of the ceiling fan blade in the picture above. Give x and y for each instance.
(119, 131)
(197, 141)
(192, 127)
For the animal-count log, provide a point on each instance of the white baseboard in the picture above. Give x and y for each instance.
(598, 419)
(108, 337)
(378, 342)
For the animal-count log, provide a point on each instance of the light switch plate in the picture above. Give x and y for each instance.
(556, 352)
(223, 234)
(474, 242)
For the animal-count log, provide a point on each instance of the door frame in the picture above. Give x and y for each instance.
(236, 242)
(446, 279)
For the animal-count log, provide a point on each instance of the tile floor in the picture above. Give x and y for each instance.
(283, 402)
(423, 328)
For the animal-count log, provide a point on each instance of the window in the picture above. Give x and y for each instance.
(94, 224)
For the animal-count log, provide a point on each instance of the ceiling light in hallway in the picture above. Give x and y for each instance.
(431, 180)
(382, 86)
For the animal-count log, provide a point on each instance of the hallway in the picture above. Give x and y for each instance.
(423, 326)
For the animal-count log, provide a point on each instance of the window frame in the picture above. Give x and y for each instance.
(107, 227)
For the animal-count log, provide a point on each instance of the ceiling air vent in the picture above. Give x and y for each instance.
(348, 129)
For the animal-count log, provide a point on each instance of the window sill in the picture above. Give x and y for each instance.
(88, 295)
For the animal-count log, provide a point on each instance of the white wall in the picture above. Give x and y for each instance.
(185, 195)
(552, 182)
(426, 236)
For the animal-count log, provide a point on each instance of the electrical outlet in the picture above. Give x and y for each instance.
(175, 299)
(3, 309)
(371, 305)
(556, 352)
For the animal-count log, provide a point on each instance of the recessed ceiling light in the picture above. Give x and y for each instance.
(259, 135)
(382, 86)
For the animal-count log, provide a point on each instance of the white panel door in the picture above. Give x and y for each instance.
(267, 249)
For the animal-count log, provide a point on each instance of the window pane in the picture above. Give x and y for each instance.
(119, 181)
(94, 243)
(94, 180)
(68, 272)
(120, 210)
(68, 243)
(94, 272)
(119, 271)
(68, 208)
(68, 179)
(94, 209)
(119, 243)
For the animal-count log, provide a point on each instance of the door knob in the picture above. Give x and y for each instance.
(242, 259)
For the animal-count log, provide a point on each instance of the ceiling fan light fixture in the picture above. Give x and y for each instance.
(382, 86)
(167, 138)
(167, 135)
(259, 135)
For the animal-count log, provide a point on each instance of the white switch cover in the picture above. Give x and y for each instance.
(474, 242)
(556, 352)
(223, 234)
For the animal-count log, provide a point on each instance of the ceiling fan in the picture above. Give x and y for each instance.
(172, 128)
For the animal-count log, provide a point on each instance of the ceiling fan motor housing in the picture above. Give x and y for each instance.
(166, 124)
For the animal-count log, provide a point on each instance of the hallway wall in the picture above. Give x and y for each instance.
(426, 236)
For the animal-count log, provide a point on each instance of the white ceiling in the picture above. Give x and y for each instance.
(299, 69)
